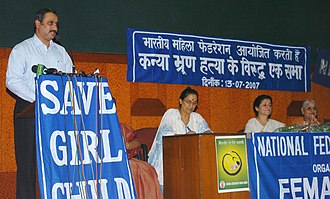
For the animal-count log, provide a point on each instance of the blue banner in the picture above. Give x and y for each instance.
(289, 165)
(80, 149)
(171, 58)
(321, 74)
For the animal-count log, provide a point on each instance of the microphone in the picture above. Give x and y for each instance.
(57, 39)
(41, 69)
(38, 69)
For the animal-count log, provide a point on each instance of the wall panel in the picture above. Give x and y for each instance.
(226, 110)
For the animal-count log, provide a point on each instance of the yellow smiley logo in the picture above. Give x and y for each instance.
(231, 163)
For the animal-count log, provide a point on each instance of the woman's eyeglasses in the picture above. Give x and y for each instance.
(311, 108)
(191, 102)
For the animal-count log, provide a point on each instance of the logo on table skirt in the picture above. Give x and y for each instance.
(231, 163)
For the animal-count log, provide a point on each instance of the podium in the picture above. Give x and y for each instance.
(190, 169)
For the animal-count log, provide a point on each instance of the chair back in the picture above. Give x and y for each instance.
(146, 136)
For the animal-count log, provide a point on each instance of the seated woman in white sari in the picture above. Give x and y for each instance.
(309, 109)
(262, 108)
(177, 121)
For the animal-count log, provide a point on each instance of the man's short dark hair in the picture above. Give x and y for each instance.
(40, 14)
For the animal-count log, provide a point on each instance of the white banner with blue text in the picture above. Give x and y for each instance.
(170, 58)
(289, 165)
(80, 149)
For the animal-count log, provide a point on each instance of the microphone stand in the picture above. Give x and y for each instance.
(57, 39)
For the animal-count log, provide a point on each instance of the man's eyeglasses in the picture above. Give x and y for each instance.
(191, 102)
(311, 108)
(51, 23)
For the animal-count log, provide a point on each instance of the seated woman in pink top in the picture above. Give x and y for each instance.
(144, 175)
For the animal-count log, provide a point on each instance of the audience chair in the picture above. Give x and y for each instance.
(146, 137)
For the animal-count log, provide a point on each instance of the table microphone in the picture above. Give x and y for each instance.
(42, 69)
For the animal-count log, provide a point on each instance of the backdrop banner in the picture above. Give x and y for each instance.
(170, 58)
(80, 149)
(289, 165)
(321, 74)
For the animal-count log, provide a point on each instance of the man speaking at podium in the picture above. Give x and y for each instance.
(37, 50)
